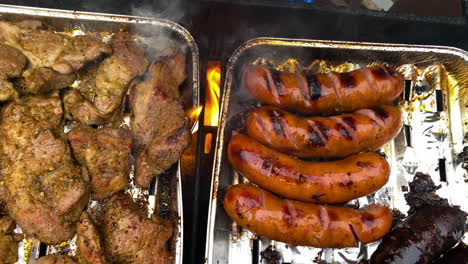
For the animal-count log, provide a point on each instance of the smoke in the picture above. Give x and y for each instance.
(170, 10)
(157, 39)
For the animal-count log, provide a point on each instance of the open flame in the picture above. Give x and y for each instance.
(213, 76)
(193, 115)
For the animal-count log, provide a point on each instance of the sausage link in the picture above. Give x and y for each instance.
(324, 93)
(305, 224)
(322, 182)
(315, 137)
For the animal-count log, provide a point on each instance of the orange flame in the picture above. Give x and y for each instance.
(193, 115)
(213, 77)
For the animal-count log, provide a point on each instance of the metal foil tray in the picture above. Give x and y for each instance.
(165, 196)
(435, 119)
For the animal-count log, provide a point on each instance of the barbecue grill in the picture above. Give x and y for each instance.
(220, 27)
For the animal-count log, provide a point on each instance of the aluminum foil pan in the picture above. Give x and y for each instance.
(165, 196)
(434, 106)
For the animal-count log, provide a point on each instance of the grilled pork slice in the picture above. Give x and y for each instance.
(108, 83)
(8, 240)
(44, 80)
(45, 192)
(130, 236)
(106, 152)
(44, 48)
(12, 64)
(159, 124)
(89, 242)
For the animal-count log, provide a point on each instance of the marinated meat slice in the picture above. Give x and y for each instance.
(7, 225)
(106, 152)
(7, 91)
(109, 83)
(159, 123)
(130, 236)
(44, 48)
(44, 80)
(79, 108)
(89, 243)
(44, 191)
(8, 249)
(56, 259)
(8, 241)
(12, 64)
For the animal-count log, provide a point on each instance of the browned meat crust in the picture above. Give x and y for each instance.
(109, 82)
(44, 48)
(89, 243)
(130, 236)
(12, 64)
(44, 191)
(106, 152)
(8, 241)
(159, 124)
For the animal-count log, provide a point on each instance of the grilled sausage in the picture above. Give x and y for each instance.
(322, 182)
(422, 237)
(315, 137)
(324, 93)
(305, 224)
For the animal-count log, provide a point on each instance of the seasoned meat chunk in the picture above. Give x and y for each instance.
(7, 91)
(8, 241)
(108, 83)
(159, 123)
(89, 242)
(130, 236)
(44, 191)
(12, 64)
(106, 152)
(44, 80)
(44, 48)
(56, 259)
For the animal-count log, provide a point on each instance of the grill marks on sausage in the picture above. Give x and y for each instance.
(379, 73)
(323, 130)
(260, 123)
(267, 82)
(315, 136)
(372, 115)
(315, 89)
(335, 81)
(276, 122)
(368, 76)
(349, 120)
(275, 76)
(343, 131)
(280, 127)
(381, 113)
(347, 80)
